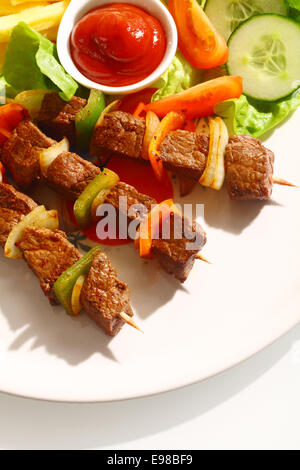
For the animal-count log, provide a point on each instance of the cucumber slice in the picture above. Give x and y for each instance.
(265, 51)
(227, 15)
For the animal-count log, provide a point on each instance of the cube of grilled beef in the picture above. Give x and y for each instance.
(120, 133)
(104, 297)
(249, 169)
(174, 253)
(134, 197)
(48, 254)
(8, 219)
(20, 153)
(57, 117)
(185, 153)
(70, 174)
(13, 206)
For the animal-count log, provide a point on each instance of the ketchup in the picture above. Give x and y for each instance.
(117, 44)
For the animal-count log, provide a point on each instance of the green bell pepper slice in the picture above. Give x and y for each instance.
(82, 207)
(86, 118)
(64, 285)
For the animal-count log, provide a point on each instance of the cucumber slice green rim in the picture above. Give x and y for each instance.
(264, 51)
(227, 15)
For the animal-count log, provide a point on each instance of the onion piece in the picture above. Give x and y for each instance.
(47, 156)
(152, 123)
(39, 217)
(214, 174)
(114, 106)
(220, 170)
(76, 293)
(32, 101)
(98, 201)
(202, 127)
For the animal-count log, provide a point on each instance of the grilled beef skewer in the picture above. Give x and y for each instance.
(249, 165)
(48, 254)
(69, 175)
(172, 254)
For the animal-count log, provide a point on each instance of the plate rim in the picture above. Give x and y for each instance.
(164, 390)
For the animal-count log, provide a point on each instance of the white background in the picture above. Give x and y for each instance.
(253, 406)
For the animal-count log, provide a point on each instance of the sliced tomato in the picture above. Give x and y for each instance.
(199, 41)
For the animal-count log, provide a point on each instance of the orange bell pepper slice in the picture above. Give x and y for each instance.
(10, 116)
(171, 122)
(200, 100)
(158, 214)
(199, 41)
(139, 109)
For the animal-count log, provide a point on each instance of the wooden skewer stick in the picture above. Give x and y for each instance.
(283, 182)
(127, 319)
(201, 258)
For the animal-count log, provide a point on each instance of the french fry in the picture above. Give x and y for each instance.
(21, 2)
(51, 33)
(6, 7)
(40, 18)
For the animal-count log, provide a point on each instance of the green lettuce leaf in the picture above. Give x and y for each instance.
(6, 90)
(48, 63)
(295, 4)
(31, 63)
(245, 116)
(179, 76)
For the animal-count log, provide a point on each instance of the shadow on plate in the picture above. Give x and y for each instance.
(222, 213)
(151, 288)
(76, 339)
(33, 319)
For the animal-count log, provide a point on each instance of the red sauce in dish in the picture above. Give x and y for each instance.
(118, 44)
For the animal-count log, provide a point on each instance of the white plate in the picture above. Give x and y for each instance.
(225, 313)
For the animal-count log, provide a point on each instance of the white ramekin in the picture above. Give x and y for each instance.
(78, 8)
